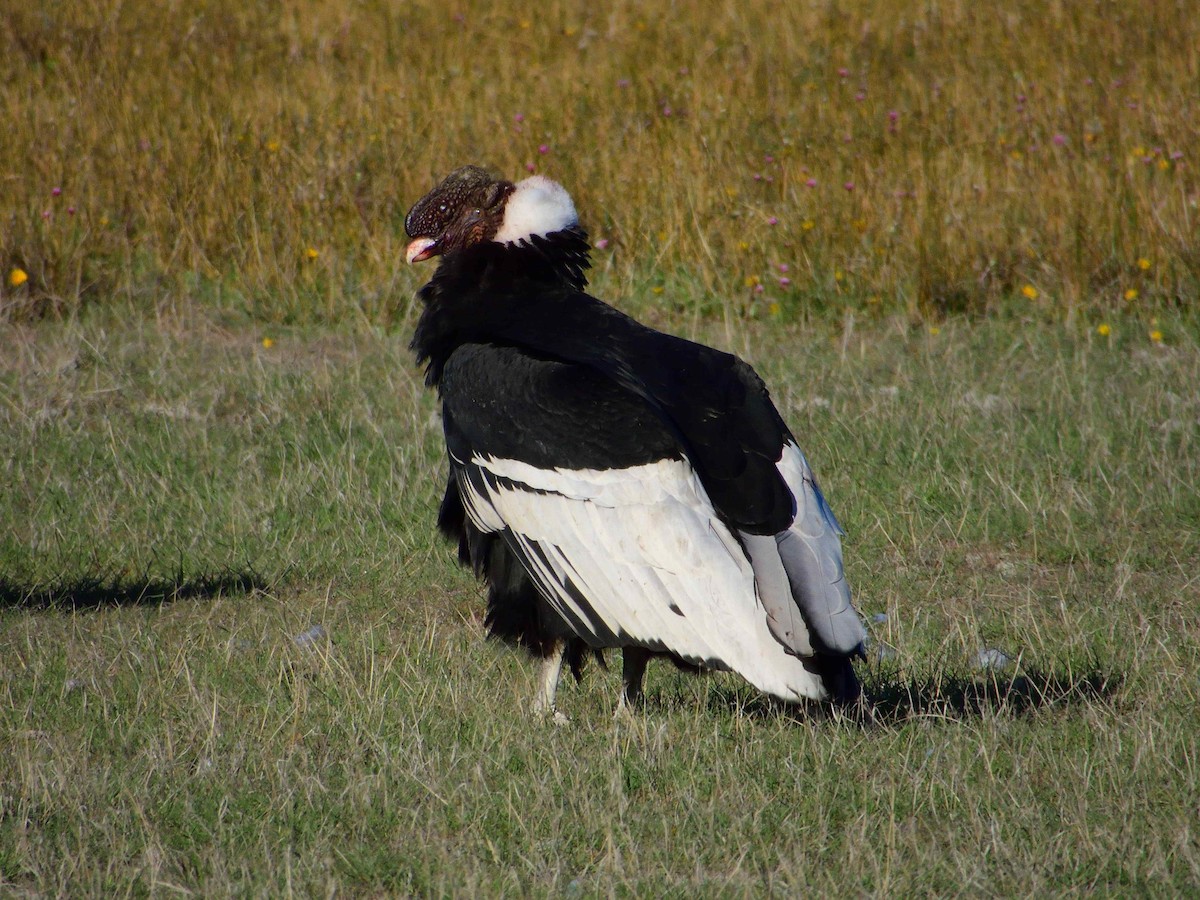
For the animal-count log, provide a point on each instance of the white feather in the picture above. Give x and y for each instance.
(647, 554)
(811, 552)
(538, 206)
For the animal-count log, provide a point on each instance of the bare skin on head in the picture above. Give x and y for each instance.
(466, 208)
(471, 206)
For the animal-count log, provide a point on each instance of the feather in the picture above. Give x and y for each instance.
(811, 553)
(614, 485)
(636, 556)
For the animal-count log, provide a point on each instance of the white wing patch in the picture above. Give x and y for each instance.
(636, 556)
(811, 552)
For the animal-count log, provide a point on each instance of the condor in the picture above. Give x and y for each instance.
(616, 487)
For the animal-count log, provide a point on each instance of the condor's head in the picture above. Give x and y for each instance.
(471, 206)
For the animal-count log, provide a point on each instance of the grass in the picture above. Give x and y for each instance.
(258, 160)
(185, 504)
(960, 244)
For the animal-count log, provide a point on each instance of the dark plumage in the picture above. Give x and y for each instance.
(616, 486)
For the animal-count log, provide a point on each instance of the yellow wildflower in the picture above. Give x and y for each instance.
(1143, 263)
(17, 277)
(1104, 330)
(273, 145)
(312, 253)
(1030, 291)
(1131, 294)
(808, 224)
(743, 246)
(1156, 336)
(838, 275)
(773, 309)
(750, 281)
(658, 289)
(934, 330)
(1163, 164)
(268, 343)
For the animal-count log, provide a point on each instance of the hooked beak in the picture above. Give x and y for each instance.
(421, 249)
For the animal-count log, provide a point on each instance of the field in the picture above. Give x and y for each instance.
(235, 658)
(258, 157)
(186, 505)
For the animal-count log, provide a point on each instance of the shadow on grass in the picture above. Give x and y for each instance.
(990, 693)
(896, 701)
(88, 593)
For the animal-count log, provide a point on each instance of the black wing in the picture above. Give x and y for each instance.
(714, 404)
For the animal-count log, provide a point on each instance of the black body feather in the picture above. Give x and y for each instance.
(531, 368)
(714, 405)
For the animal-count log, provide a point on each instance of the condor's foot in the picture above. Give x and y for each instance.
(543, 700)
(633, 669)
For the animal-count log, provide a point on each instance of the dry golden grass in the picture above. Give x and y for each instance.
(960, 154)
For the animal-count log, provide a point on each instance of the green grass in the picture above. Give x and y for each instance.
(988, 348)
(181, 502)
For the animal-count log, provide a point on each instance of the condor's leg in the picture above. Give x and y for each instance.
(543, 700)
(633, 668)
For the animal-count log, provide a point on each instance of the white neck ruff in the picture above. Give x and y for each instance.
(538, 206)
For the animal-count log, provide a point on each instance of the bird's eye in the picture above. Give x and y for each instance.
(477, 211)
(442, 208)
